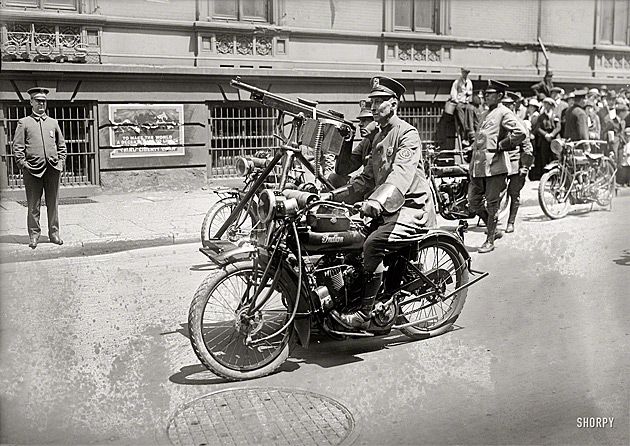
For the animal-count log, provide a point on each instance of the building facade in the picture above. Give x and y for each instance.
(142, 87)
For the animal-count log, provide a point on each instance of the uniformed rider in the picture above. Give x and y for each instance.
(392, 189)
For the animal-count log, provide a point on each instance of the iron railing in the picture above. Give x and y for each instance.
(76, 123)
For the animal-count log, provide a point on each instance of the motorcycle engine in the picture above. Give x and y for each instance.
(339, 281)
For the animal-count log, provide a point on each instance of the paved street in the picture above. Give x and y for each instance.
(94, 349)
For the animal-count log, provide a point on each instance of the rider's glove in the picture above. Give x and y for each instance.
(325, 196)
(523, 171)
(371, 208)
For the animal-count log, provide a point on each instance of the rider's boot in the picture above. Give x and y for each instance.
(512, 217)
(360, 319)
(488, 245)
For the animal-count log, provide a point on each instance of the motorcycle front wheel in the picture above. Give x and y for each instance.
(606, 182)
(227, 336)
(443, 264)
(552, 195)
(218, 214)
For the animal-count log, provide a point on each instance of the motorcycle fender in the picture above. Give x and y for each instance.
(301, 324)
(552, 165)
(440, 234)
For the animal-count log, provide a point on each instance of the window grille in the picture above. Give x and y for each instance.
(239, 129)
(424, 117)
(76, 123)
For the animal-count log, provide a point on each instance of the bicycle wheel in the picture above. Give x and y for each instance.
(445, 267)
(606, 183)
(552, 195)
(218, 214)
(224, 332)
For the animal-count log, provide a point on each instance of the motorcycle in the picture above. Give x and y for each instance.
(246, 219)
(576, 177)
(449, 176)
(272, 292)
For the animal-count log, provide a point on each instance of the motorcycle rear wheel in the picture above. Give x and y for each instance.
(444, 265)
(218, 214)
(218, 331)
(549, 193)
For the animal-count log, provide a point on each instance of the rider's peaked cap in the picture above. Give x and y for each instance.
(38, 92)
(385, 87)
(496, 87)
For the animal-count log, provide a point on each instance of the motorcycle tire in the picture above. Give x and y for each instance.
(216, 338)
(546, 187)
(218, 214)
(606, 192)
(461, 277)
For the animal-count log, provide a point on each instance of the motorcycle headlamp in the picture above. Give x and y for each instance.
(243, 166)
(272, 204)
(556, 146)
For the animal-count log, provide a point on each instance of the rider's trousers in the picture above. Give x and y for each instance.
(492, 188)
(515, 185)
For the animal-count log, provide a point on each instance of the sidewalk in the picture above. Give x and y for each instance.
(124, 221)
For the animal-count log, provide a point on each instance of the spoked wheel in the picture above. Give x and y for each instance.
(227, 335)
(218, 214)
(606, 184)
(552, 195)
(445, 267)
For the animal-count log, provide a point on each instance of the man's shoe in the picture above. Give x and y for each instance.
(486, 247)
(498, 234)
(33, 243)
(55, 239)
(509, 228)
(354, 321)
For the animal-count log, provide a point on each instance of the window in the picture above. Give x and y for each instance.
(416, 15)
(69, 5)
(615, 20)
(244, 10)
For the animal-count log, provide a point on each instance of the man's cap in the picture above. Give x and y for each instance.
(557, 89)
(549, 74)
(533, 102)
(496, 87)
(516, 96)
(580, 93)
(466, 69)
(366, 109)
(550, 101)
(507, 100)
(603, 88)
(38, 92)
(385, 86)
(571, 95)
(593, 92)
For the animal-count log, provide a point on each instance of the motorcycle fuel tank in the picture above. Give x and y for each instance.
(332, 241)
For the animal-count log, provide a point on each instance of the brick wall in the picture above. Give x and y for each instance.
(150, 9)
(357, 15)
(568, 22)
(493, 19)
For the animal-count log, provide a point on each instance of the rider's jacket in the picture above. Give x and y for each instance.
(395, 163)
(499, 132)
(38, 143)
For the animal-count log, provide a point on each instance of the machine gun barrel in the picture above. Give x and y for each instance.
(287, 105)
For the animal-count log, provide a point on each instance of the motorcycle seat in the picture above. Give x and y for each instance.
(594, 156)
(459, 170)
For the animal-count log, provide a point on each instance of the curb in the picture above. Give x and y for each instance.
(92, 247)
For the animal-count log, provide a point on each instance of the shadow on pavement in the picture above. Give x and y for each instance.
(625, 258)
(196, 375)
(21, 239)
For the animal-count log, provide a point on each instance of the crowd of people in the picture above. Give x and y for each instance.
(596, 114)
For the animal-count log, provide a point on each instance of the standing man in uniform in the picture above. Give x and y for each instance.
(350, 161)
(395, 189)
(40, 152)
(521, 159)
(499, 132)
